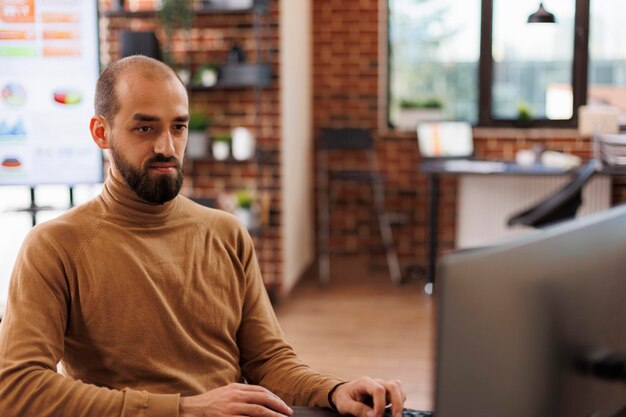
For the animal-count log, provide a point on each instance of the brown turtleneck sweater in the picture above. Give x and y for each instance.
(141, 304)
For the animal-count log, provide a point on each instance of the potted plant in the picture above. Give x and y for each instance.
(244, 210)
(173, 15)
(197, 141)
(524, 114)
(206, 75)
(220, 146)
(413, 112)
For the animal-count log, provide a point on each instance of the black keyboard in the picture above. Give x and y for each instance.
(409, 412)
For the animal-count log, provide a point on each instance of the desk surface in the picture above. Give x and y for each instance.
(463, 166)
(468, 167)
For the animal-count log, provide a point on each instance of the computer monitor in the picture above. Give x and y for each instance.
(537, 326)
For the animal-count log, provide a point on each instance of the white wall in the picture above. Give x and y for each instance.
(296, 138)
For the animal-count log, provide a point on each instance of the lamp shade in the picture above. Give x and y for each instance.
(541, 16)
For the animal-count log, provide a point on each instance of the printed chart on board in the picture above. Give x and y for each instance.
(48, 71)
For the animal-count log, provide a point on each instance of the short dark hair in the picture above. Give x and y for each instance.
(106, 103)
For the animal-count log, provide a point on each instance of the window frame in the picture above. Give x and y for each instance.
(580, 63)
(579, 70)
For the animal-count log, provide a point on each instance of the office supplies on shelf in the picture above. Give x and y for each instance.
(611, 149)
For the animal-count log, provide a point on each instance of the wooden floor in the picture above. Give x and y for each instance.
(362, 324)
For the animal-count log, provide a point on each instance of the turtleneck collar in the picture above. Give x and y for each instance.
(122, 202)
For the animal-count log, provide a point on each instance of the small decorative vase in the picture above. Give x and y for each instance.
(245, 217)
(243, 144)
(197, 145)
(220, 150)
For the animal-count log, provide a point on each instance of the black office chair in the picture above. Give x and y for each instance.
(357, 140)
(559, 206)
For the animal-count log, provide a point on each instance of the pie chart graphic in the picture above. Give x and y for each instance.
(67, 97)
(11, 163)
(13, 94)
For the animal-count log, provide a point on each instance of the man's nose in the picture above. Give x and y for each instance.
(164, 144)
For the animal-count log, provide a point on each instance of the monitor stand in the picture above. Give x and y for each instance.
(33, 209)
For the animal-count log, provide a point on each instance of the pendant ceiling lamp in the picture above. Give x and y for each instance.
(541, 16)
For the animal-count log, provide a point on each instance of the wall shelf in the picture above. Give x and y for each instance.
(242, 75)
(207, 8)
(246, 81)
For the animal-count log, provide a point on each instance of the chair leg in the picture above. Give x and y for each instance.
(323, 215)
(390, 249)
(385, 229)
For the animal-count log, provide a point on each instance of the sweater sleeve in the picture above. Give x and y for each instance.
(267, 359)
(32, 343)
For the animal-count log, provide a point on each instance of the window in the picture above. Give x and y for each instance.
(504, 71)
(433, 61)
(607, 55)
(532, 63)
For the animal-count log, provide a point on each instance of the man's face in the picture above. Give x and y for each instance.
(148, 136)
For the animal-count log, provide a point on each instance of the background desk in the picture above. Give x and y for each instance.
(479, 183)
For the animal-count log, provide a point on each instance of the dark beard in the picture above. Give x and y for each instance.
(157, 190)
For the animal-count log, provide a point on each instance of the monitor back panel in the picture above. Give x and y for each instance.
(514, 320)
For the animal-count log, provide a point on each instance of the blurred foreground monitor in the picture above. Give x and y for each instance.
(536, 327)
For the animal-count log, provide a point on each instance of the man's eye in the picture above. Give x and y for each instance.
(180, 127)
(144, 129)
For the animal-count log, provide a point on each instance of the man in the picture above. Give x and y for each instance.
(153, 305)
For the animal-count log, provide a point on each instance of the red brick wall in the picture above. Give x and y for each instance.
(345, 84)
(346, 71)
(209, 41)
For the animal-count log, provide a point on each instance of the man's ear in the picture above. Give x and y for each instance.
(99, 128)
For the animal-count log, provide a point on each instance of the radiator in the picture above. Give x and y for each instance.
(485, 203)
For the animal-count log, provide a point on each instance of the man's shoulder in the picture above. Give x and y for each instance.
(71, 225)
(209, 215)
(211, 218)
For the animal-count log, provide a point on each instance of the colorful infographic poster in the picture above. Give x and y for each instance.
(48, 71)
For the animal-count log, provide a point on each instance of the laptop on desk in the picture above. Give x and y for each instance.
(449, 140)
(450, 145)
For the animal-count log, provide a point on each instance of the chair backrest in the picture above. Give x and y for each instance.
(345, 138)
(559, 206)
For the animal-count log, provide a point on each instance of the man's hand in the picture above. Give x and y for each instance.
(367, 397)
(234, 400)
